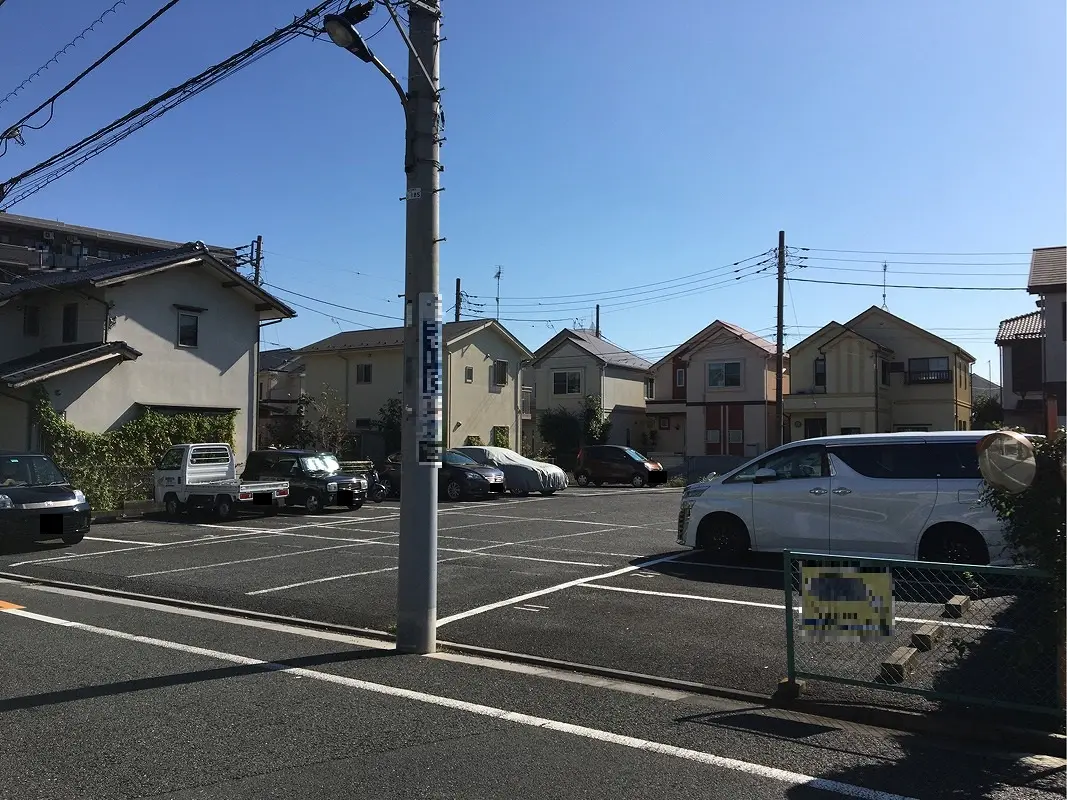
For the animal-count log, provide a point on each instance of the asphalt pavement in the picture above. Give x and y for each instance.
(106, 698)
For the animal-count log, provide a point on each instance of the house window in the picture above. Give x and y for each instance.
(885, 372)
(724, 374)
(188, 330)
(31, 320)
(364, 373)
(664, 423)
(567, 382)
(650, 388)
(850, 431)
(363, 423)
(736, 436)
(70, 322)
(712, 436)
(819, 372)
(679, 377)
(929, 370)
(500, 373)
(468, 374)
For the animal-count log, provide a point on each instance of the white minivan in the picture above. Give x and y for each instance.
(891, 495)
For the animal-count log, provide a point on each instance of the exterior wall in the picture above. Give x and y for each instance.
(624, 404)
(92, 319)
(1055, 346)
(336, 373)
(568, 358)
(15, 421)
(474, 409)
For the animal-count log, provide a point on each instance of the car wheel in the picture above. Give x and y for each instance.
(582, 479)
(172, 507)
(453, 490)
(519, 492)
(598, 483)
(638, 481)
(223, 507)
(954, 544)
(313, 503)
(722, 534)
(355, 506)
(548, 492)
(73, 538)
(388, 489)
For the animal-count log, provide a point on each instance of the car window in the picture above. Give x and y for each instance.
(886, 461)
(172, 459)
(458, 459)
(286, 466)
(797, 462)
(634, 454)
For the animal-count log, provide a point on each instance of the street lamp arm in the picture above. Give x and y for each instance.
(389, 76)
(410, 46)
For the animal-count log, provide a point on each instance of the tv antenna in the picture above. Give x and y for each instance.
(496, 277)
(885, 271)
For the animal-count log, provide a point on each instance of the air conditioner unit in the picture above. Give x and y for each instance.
(48, 236)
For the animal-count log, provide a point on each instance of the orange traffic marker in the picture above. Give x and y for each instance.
(6, 606)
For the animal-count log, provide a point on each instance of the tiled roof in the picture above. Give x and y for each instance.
(750, 337)
(1048, 270)
(608, 352)
(384, 337)
(274, 359)
(1024, 326)
(19, 221)
(31, 368)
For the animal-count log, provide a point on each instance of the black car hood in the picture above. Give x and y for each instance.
(337, 477)
(481, 469)
(21, 495)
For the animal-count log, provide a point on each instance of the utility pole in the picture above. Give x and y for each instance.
(598, 320)
(256, 257)
(257, 261)
(459, 299)
(496, 277)
(780, 344)
(422, 438)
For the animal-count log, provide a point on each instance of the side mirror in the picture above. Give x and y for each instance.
(764, 476)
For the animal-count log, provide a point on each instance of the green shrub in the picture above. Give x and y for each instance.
(473, 441)
(500, 436)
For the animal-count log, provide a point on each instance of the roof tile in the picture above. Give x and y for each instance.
(1024, 326)
(1048, 270)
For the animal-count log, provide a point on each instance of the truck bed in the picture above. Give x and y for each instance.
(238, 486)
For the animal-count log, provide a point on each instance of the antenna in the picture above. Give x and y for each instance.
(496, 277)
(885, 271)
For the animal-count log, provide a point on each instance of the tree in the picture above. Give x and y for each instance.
(390, 423)
(595, 427)
(560, 429)
(323, 423)
(986, 413)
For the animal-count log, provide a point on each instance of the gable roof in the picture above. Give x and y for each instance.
(980, 384)
(1048, 270)
(111, 272)
(19, 221)
(275, 360)
(51, 361)
(384, 338)
(881, 312)
(1024, 326)
(699, 338)
(604, 351)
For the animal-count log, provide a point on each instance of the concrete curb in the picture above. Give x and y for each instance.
(942, 725)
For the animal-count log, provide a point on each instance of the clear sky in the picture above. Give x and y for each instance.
(592, 147)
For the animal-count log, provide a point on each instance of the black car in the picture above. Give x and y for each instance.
(37, 501)
(610, 463)
(459, 477)
(315, 478)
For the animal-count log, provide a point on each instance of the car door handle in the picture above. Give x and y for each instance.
(816, 491)
(842, 491)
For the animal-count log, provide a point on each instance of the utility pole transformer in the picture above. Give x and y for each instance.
(422, 435)
(459, 299)
(780, 343)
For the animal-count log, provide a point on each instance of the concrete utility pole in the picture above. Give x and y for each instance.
(421, 440)
(257, 261)
(598, 320)
(780, 344)
(459, 299)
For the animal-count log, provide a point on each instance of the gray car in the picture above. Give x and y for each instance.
(521, 475)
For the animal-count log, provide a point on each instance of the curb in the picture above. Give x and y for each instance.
(948, 726)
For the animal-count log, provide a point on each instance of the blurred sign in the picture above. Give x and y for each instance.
(846, 603)
(428, 423)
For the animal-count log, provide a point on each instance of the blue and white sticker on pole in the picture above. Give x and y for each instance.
(428, 423)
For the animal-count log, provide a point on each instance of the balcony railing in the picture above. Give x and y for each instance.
(932, 376)
(526, 404)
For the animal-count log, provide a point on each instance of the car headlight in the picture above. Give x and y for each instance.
(694, 491)
(5, 502)
(332, 486)
(476, 476)
(362, 483)
(79, 495)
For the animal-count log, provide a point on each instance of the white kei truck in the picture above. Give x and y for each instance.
(204, 476)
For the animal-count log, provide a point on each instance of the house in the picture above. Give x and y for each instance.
(280, 385)
(172, 331)
(575, 364)
(877, 373)
(1021, 340)
(482, 384)
(1048, 280)
(983, 387)
(714, 395)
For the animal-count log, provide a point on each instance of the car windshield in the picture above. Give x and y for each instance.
(459, 459)
(320, 463)
(29, 471)
(635, 455)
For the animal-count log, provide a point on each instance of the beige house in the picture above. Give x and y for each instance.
(482, 383)
(280, 382)
(173, 331)
(877, 373)
(714, 395)
(574, 364)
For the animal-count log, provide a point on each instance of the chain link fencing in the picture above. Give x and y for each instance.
(959, 634)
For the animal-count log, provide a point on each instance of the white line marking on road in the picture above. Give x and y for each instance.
(322, 580)
(527, 608)
(191, 542)
(478, 552)
(544, 547)
(557, 588)
(119, 541)
(540, 520)
(539, 608)
(519, 718)
(241, 561)
(777, 607)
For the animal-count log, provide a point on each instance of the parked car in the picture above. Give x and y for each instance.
(458, 477)
(37, 501)
(893, 495)
(315, 478)
(610, 463)
(521, 475)
(204, 476)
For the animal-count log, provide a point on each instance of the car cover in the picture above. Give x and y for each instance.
(521, 474)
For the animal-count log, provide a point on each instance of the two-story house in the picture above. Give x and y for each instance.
(1021, 340)
(173, 331)
(1048, 279)
(280, 385)
(482, 383)
(877, 373)
(575, 364)
(714, 394)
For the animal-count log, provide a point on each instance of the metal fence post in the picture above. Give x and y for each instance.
(790, 662)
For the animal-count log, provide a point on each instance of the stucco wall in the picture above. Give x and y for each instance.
(1055, 346)
(14, 423)
(567, 358)
(473, 409)
(92, 315)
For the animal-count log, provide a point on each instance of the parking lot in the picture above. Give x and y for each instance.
(588, 575)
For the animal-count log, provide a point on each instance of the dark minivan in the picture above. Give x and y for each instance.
(37, 501)
(611, 463)
(315, 478)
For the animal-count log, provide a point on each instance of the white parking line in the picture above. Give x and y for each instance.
(546, 519)
(557, 588)
(140, 548)
(119, 541)
(518, 718)
(241, 561)
(322, 580)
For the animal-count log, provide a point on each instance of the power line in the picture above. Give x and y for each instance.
(927, 263)
(902, 252)
(333, 305)
(59, 53)
(905, 286)
(915, 272)
(15, 131)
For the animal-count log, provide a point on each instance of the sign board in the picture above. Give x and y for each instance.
(428, 422)
(846, 603)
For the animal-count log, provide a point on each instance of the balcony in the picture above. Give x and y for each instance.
(930, 376)
(526, 404)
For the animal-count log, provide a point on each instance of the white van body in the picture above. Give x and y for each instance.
(205, 476)
(892, 495)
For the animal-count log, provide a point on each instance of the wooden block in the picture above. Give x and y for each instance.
(957, 606)
(927, 636)
(896, 668)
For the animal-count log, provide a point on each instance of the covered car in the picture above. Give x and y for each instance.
(521, 475)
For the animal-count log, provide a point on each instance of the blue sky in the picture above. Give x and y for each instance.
(592, 147)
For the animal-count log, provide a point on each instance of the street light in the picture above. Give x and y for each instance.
(422, 436)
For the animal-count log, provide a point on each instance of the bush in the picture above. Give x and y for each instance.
(473, 441)
(500, 436)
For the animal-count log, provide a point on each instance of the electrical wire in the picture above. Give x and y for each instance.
(61, 52)
(907, 286)
(901, 252)
(333, 305)
(927, 263)
(15, 131)
(914, 272)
